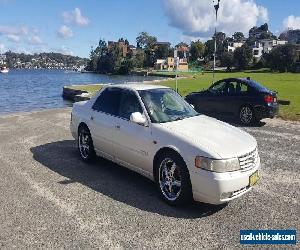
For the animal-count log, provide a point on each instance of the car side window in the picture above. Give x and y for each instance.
(129, 104)
(108, 101)
(243, 89)
(231, 88)
(218, 88)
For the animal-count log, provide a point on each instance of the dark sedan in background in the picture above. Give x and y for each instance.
(244, 99)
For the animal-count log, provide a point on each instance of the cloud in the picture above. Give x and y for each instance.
(291, 22)
(75, 17)
(34, 40)
(63, 50)
(197, 18)
(65, 32)
(13, 30)
(13, 38)
(2, 48)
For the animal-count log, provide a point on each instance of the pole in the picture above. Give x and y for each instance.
(215, 36)
(175, 66)
(176, 83)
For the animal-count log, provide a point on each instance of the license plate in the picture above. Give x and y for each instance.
(253, 178)
(275, 99)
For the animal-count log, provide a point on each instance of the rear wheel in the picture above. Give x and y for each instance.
(246, 115)
(85, 144)
(173, 179)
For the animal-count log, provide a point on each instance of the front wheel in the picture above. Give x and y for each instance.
(85, 144)
(173, 179)
(246, 115)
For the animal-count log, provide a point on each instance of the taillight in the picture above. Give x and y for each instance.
(268, 98)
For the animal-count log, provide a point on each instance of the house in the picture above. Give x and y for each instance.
(265, 46)
(292, 36)
(2, 59)
(298, 51)
(122, 45)
(258, 50)
(169, 63)
(182, 50)
(269, 44)
(160, 64)
(233, 45)
(131, 49)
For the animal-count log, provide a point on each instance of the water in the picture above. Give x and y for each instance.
(27, 90)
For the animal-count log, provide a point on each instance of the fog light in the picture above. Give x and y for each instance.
(226, 195)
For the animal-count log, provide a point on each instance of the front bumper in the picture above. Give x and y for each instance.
(218, 188)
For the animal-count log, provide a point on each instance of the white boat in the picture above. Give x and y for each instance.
(4, 70)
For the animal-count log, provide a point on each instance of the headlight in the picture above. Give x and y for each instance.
(219, 166)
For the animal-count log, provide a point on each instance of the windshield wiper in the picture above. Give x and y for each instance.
(178, 119)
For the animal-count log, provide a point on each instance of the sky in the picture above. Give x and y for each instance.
(73, 26)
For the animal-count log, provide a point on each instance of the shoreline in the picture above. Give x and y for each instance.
(82, 92)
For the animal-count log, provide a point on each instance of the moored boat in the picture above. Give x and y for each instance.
(4, 70)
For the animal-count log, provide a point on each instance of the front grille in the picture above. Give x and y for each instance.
(249, 160)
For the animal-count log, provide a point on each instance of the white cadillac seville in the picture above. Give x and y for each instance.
(152, 130)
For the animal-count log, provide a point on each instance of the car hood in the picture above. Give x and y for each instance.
(213, 136)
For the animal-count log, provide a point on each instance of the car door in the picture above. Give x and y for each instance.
(132, 142)
(201, 101)
(229, 98)
(103, 121)
(216, 100)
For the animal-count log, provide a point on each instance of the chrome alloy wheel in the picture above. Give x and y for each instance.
(84, 142)
(246, 115)
(169, 179)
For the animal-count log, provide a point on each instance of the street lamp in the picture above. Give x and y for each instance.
(215, 51)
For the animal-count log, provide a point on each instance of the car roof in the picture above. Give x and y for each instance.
(234, 78)
(137, 86)
(249, 82)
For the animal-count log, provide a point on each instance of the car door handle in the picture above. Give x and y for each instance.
(92, 118)
(117, 127)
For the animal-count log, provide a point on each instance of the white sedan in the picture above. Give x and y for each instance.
(152, 130)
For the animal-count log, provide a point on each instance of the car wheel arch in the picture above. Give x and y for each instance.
(163, 150)
(83, 124)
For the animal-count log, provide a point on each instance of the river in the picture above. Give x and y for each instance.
(28, 90)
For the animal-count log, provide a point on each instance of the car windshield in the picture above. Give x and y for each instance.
(165, 105)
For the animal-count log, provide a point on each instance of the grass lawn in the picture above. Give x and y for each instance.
(286, 84)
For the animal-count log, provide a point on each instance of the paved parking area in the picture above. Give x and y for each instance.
(50, 199)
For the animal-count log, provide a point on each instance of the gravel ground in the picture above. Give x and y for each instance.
(50, 199)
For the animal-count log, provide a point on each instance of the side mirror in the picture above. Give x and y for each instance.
(138, 118)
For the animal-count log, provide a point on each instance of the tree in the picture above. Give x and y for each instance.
(144, 40)
(209, 49)
(283, 58)
(162, 51)
(197, 50)
(139, 58)
(227, 60)
(96, 54)
(238, 36)
(243, 56)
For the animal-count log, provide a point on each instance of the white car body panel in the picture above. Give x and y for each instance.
(135, 146)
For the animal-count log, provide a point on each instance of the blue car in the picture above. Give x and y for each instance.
(239, 98)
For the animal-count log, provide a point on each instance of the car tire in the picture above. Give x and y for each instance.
(172, 179)
(246, 115)
(85, 144)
